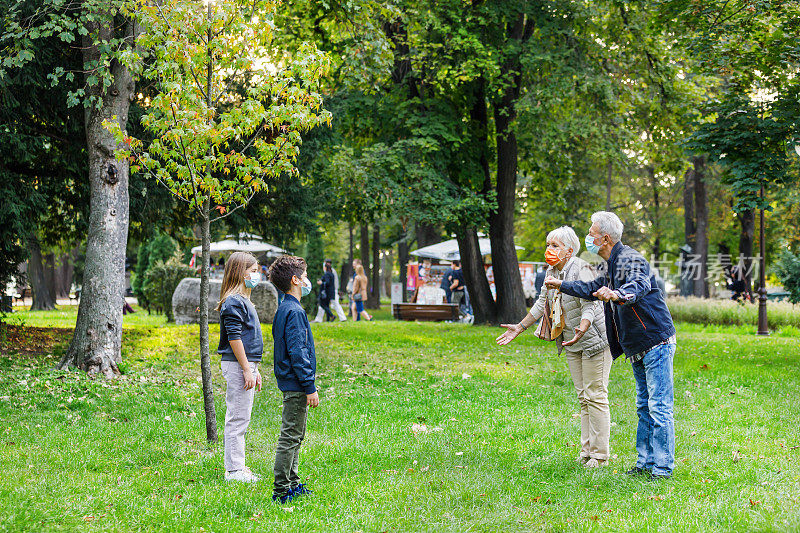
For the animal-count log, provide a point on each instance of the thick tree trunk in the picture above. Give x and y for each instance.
(747, 220)
(97, 343)
(205, 357)
(701, 235)
(656, 217)
(402, 259)
(689, 229)
(427, 234)
(63, 275)
(43, 297)
(374, 295)
(508, 284)
(364, 248)
(483, 306)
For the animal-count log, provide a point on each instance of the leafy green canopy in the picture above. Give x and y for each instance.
(210, 143)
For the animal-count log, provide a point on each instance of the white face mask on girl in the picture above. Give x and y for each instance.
(252, 280)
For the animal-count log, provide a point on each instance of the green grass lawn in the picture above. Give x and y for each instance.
(130, 454)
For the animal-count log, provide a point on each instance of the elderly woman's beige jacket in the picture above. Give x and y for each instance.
(575, 309)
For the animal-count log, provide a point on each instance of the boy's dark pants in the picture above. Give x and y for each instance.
(293, 430)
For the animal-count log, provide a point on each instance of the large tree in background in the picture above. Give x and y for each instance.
(106, 91)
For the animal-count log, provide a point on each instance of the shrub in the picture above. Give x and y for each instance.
(160, 282)
(728, 312)
(788, 270)
(161, 248)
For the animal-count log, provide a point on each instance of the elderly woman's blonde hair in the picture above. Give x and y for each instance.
(568, 238)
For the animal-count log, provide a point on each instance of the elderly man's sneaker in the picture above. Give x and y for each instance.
(638, 471)
(301, 489)
(286, 497)
(245, 475)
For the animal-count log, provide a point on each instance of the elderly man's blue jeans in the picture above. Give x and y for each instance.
(655, 434)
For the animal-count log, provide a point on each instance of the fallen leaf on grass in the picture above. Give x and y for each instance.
(736, 456)
(656, 497)
(459, 453)
(754, 503)
(465, 376)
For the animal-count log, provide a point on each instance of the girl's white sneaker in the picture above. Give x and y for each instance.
(244, 475)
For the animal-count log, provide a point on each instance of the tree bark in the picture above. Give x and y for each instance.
(701, 235)
(205, 357)
(747, 220)
(364, 248)
(63, 276)
(656, 217)
(484, 308)
(43, 298)
(508, 283)
(689, 229)
(402, 259)
(427, 234)
(374, 295)
(97, 342)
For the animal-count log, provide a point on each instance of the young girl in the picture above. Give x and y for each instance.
(241, 346)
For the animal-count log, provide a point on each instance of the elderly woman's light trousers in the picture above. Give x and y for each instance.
(590, 377)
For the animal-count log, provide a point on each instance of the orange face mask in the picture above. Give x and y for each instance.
(551, 257)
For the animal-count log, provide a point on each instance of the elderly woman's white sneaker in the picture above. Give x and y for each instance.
(594, 463)
(244, 475)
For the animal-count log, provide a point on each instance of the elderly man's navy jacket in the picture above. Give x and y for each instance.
(294, 355)
(640, 319)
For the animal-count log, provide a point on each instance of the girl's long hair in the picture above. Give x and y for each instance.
(233, 280)
(360, 271)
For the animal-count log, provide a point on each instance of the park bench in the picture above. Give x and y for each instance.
(410, 311)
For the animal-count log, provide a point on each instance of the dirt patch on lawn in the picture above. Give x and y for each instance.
(31, 342)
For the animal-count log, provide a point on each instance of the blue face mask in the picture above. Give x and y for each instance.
(305, 290)
(252, 280)
(590, 245)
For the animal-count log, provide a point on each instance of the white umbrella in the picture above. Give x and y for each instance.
(246, 242)
(448, 250)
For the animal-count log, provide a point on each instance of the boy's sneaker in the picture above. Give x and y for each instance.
(286, 497)
(638, 471)
(245, 475)
(301, 489)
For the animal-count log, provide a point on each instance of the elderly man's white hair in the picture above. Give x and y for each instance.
(608, 224)
(568, 238)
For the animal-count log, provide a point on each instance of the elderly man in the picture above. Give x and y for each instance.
(639, 325)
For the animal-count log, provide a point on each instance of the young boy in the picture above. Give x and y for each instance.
(295, 370)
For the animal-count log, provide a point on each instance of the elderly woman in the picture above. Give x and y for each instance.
(587, 351)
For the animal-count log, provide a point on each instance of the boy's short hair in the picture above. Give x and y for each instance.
(456, 263)
(282, 270)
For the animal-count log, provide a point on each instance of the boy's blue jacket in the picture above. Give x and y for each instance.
(294, 356)
(640, 319)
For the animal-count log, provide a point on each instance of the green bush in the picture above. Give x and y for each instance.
(160, 282)
(161, 248)
(788, 270)
(728, 312)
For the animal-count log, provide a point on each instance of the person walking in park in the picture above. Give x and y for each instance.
(360, 293)
(587, 351)
(445, 285)
(350, 285)
(334, 302)
(326, 290)
(639, 325)
(295, 364)
(457, 286)
(240, 347)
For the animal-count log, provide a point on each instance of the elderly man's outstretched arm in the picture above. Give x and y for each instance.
(581, 289)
